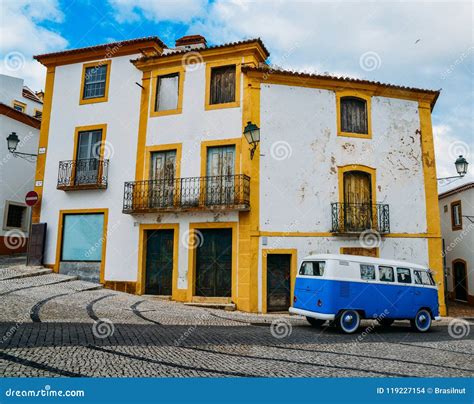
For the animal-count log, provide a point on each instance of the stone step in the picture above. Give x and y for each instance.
(22, 271)
(220, 306)
(10, 285)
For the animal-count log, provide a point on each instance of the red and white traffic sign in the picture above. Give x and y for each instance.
(31, 198)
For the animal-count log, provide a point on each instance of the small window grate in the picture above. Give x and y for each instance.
(15, 216)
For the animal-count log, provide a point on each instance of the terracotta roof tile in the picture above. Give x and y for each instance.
(101, 47)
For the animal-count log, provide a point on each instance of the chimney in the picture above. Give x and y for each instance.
(190, 42)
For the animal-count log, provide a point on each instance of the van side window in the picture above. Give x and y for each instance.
(312, 268)
(423, 278)
(367, 272)
(386, 274)
(403, 275)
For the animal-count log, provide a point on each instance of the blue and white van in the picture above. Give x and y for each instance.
(347, 288)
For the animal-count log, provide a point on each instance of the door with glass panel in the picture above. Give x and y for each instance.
(88, 156)
(220, 175)
(162, 175)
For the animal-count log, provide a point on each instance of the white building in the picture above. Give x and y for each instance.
(457, 224)
(20, 112)
(339, 165)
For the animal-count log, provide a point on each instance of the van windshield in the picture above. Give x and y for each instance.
(312, 268)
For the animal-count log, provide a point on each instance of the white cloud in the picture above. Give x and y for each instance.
(164, 10)
(22, 36)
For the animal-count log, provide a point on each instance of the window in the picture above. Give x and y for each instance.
(95, 80)
(354, 115)
(367, 272)
(445, 208)
(403, 275)
(423, 278)
(312, 268)
(82, 237)
(386, 274)
(38, 114)
(19, 106)
(15, 216)
(167, 92)
(456, 215)
(222, 84)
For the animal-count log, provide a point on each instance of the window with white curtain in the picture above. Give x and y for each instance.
(167, 88)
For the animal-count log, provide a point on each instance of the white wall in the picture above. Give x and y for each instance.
(121, 114)
(16, 174)
(305, 183)
(459, 244)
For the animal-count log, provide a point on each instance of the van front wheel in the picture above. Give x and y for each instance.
(348, 321)
(315, 322)
(422, 321)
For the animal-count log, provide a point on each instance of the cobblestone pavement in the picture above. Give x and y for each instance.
(53, 325)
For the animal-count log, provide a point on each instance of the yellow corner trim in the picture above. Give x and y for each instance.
(154, 84)
(97, 64)
(227, 62)
(357, 94)
(59, 241)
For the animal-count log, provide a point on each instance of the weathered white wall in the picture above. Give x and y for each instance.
(459, 243)
(121, 114)
(16, 174)
(301, 152)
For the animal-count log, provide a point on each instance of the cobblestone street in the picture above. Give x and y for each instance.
(54, 325)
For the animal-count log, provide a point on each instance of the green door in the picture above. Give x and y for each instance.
(159, 262)
(214, 263)
(278, 282)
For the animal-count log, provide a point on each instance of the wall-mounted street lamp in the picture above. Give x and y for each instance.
(461, 168)
(12, 142)
(252, 134)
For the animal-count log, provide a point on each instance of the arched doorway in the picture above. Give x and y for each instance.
(460, 280)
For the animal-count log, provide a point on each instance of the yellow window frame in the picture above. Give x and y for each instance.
(228, 62)
(154, 83)
(356, 94)
(82, 100)
(20, 104)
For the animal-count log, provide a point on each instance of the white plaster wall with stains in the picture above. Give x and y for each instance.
(301, 153)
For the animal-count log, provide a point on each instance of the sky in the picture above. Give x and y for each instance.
(426, 44)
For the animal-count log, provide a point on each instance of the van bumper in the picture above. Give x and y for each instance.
(437, 318)
(307, 313)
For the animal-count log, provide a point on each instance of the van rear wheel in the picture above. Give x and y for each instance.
(348, 321)
(315, 322)
(422, 321)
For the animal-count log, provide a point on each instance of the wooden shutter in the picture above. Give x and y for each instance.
(222, 85)
(36, 242)
(354, 115)
(357, 201)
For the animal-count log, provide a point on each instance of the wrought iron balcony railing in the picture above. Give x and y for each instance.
(357, 217)
(195, 193)
(83, 174)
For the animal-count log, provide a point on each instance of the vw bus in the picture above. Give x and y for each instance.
(346, 288)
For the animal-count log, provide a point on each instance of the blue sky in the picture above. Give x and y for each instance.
(420, 44)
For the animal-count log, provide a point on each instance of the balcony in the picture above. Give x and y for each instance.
(226, 192)
(81, 174)
(354, 218)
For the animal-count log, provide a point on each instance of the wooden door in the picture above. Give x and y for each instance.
(460, 280)
(162, 174)
(159, 262)
(357, 201)
(220, 175)
(36, 242)
(214, 263)
(88, 156)
(278, 282)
